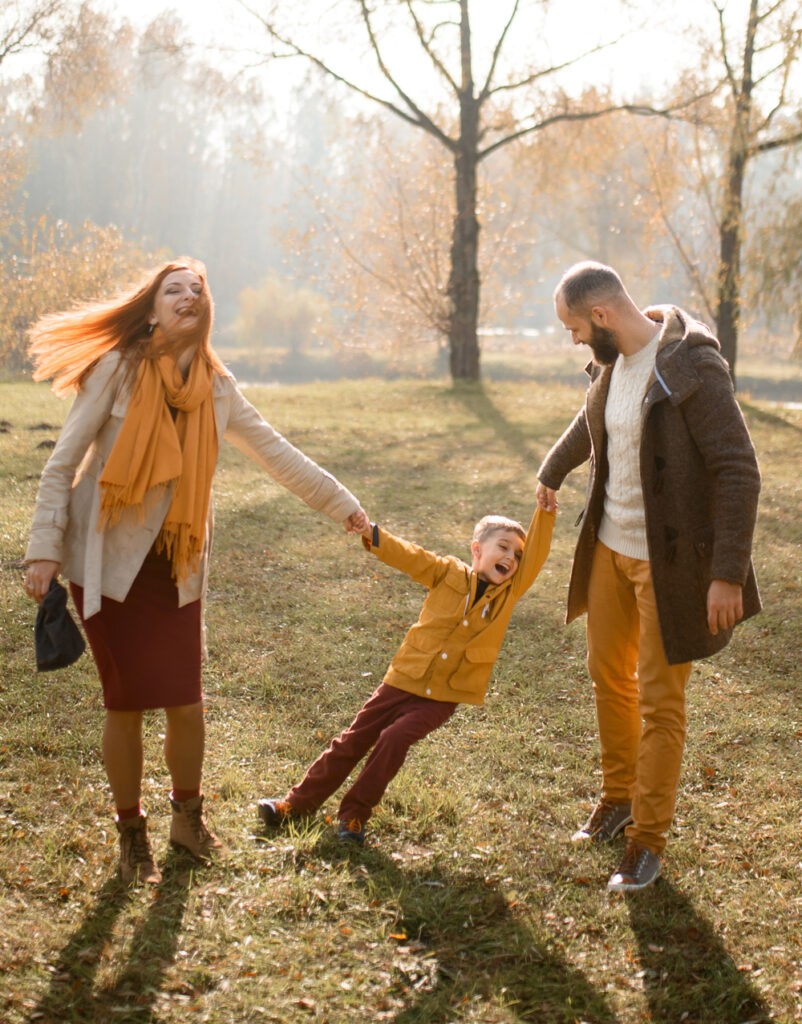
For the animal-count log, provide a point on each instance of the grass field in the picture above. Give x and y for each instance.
(469, 903)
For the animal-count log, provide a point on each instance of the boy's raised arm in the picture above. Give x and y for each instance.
(536, 548)
(419, 564)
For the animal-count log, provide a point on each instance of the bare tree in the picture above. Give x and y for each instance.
(749, 109)
(480, 118)
(771, 48)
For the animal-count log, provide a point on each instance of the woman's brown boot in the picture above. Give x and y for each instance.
(188, 829)
(136, 857)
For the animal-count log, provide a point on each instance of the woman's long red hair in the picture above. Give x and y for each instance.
(65, 346)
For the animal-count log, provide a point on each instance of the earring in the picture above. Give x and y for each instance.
(151, 328)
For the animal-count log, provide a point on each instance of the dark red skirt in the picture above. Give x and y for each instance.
(147, 649)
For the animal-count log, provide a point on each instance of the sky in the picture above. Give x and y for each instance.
(651, 56)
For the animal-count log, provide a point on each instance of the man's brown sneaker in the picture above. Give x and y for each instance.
(136, 857)
(604, 823)
(638, 869)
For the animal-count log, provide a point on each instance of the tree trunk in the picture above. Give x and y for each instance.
(463, 280)
(728, 311)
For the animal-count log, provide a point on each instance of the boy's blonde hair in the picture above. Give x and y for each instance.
(488, 525)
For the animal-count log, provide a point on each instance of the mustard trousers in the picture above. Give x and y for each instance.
(640, 698)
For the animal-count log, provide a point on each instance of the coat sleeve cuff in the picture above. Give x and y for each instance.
(374, 540)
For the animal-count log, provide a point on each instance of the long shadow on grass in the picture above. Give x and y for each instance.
(475, 399)
(73, 994)
(688, 970)
(460, 939)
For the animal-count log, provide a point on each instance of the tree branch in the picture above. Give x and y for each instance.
(769, 11)
(724, 56)
(691, 268)
(421, 119)
(770, 144)
(24, 35)
(485, 92)
(554, 68)
(426, 44)
(640, 109)
(416, 118)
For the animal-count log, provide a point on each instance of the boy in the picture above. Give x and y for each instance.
(445, 659)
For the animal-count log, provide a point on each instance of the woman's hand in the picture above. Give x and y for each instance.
(357, 522)
(38, 577)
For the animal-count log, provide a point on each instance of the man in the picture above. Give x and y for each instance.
(663, 561)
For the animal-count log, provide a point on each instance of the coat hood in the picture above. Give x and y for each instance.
(679, 326)
(675, 365)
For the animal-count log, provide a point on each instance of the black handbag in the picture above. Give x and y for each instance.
(57, 639)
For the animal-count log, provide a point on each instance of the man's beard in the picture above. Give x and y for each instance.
(602, 344)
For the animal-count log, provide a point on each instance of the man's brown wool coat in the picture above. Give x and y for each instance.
(699, 477)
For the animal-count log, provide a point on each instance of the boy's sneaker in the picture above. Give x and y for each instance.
(604, 823)
(638, 869)
(275, 812)
(351, 831)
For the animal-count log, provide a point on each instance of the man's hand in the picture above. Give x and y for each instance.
(546, 498)
(38, 577)
(357, 522)
(725, 605)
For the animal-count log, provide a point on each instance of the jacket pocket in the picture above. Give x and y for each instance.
(474, 673)
(416, 655)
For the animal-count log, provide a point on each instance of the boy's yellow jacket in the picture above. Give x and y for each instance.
(450, 651)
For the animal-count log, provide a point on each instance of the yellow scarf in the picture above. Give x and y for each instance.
(152, 451)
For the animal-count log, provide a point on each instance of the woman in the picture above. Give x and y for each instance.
(130, 527)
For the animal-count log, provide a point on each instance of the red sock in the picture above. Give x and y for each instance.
(129, 812)
(181, 795)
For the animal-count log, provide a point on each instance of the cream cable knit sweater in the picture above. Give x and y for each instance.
(623, 524)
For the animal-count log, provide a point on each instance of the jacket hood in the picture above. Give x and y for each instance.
(674, 368)
(679, 326)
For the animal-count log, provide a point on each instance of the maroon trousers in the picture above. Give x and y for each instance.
(390, 722)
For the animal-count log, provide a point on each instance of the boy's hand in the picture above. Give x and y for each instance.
(357, 522)
(546, 498)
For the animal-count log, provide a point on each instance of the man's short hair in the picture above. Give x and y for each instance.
(488, 525)
(586, 284)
